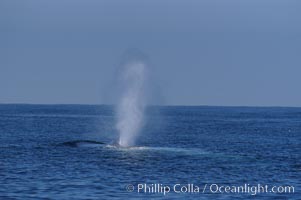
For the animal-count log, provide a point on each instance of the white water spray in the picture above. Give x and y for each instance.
(130, 109)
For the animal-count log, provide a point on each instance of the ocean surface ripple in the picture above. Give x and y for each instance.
(69, 151)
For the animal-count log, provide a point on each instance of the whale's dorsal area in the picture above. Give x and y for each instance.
(79, 143)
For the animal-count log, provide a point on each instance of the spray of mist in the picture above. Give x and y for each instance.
(132, 101)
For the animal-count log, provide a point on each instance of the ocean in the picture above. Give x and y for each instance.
(182, 152)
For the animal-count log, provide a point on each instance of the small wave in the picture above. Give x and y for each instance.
(118, 147)
(10, 146)
(188, 151)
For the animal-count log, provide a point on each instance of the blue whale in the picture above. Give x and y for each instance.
(82, 143)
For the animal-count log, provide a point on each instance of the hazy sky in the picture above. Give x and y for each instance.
(244, 52)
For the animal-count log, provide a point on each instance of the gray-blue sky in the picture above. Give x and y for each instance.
(205, 52)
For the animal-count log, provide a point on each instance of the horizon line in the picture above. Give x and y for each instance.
(166, 105)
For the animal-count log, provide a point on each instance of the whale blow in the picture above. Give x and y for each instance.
(131, 105)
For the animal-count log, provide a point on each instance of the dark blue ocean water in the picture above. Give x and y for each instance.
(226, 146)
